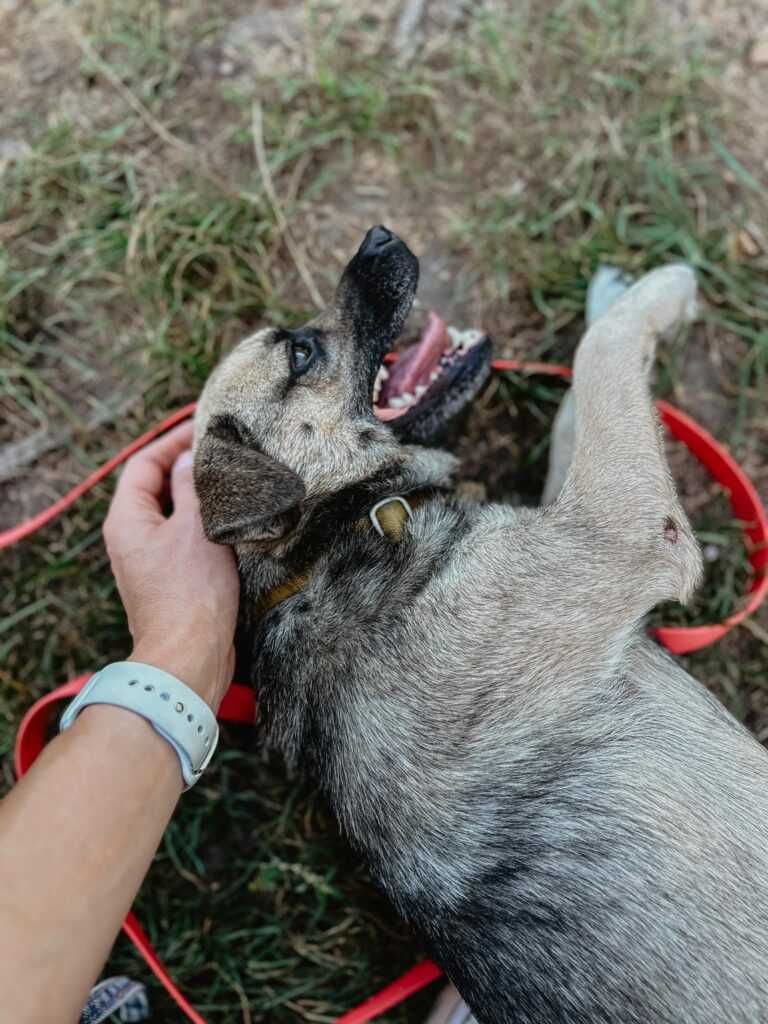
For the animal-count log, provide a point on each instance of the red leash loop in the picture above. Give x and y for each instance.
(747, 508)
(30, 526)
(239, 704)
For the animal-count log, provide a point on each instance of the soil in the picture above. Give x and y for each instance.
(42, 70)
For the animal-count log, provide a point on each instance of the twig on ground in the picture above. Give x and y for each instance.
(407, 33)
(297, 255)
(756, 630)
(16, 456)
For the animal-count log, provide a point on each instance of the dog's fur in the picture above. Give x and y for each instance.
(576, 827)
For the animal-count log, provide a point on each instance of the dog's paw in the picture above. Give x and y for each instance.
(665, 298)
(671, 289)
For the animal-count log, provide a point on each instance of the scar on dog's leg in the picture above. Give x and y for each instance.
(618, 483)
(608, 284)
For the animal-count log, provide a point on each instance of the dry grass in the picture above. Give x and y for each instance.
(516, 148)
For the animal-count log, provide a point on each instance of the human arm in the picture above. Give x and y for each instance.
(78, 832)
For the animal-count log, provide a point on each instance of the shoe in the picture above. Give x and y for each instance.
(607, 285)
(450, 1008)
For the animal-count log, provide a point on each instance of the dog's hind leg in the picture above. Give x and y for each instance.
(618, 484)
(608, 284)
(561, 446)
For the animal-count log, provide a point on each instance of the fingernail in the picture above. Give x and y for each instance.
(184, 461)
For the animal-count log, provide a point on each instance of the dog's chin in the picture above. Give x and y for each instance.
(432, 381)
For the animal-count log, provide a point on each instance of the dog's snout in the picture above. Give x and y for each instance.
(378, 238)
(380, 249)
(376, 292)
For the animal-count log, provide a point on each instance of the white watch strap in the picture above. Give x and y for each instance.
(172, 709)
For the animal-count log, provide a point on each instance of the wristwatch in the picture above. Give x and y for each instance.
(170, 706)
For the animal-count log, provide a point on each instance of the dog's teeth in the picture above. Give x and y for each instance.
(434, 375)
(378, 384)
(463, 341)
(398, 402)
(421, 389)
(408, 398)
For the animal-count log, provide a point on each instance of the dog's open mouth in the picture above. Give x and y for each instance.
(444, 369)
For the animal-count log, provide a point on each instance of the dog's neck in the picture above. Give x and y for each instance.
(270, 576)
(275, 568)
(388, 517)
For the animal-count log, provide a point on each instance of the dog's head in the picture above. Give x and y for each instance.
(300, 413)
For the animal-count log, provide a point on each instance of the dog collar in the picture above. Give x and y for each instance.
(387, 517)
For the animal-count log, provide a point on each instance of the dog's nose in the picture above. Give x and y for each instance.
(378, 238)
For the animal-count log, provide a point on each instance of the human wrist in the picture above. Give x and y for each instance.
(130, 739)
(174, 710)
(204, 669)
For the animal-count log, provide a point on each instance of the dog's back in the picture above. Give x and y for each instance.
(576, 845)
(623, 871)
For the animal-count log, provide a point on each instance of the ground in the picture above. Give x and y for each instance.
(172, 174)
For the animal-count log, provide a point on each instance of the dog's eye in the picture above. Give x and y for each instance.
(303, 353)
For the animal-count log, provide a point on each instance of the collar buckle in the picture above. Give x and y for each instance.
(374, 517)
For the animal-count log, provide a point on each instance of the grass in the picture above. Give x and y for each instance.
(280, 915)
(138, 242)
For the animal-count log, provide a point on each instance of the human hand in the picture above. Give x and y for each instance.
(179, 590)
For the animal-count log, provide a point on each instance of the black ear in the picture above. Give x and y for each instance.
(244, 494)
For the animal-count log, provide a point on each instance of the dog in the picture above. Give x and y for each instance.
(575, 826)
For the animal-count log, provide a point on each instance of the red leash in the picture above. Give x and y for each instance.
(239, 704)
(747, 508)
(30, 526)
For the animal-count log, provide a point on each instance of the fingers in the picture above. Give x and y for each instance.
(183, 487)
(137, 498)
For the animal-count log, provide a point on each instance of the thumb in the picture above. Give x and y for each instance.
(183, 484)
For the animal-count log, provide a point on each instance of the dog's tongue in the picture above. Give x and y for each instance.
(386, 414)
(415, 366)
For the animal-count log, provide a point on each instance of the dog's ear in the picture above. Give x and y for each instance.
(245, 495)
(618, 484)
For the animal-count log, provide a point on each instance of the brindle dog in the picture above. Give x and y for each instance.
(574, 825)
